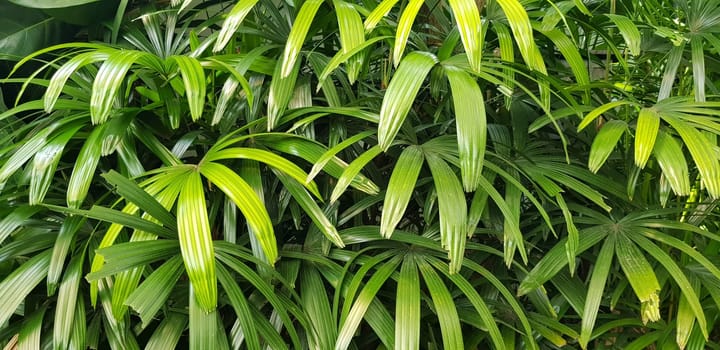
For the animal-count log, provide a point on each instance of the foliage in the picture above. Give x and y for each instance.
(375, 174)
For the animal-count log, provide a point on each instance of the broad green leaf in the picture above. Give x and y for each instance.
(341, 57)
(400, 188)
(467, 17)
(45, 163)
(148, 298)
(168, 332)
(522, 30)
(25, 30)
(204, 330)
(445, 307)
(232, 22)
(453, 210)
(685, 320)
(84, 168)
(361, 304)
(315, 301)
(14, 220)
(604, 143)
(595, 289)
(670, 74)
(108, 81)
(352, 171)
(193, 77)
(281, 90)
(646, 131)
(331, 152)
(269, 158)
(65, 238)
(401, 93)
(241, 306)
(407, 306)
(351, 35)
(67, 298)
(125, 256)
(297, 35)
(629, 31)
(590, 117)
(672, 161)
(678, 276)
(380, 11)
(68, 69)
(196, 244)
(29, 336)
(698, 66)
(23, 279)
(131, 192)
(404, 28)
(311, 208)
(571, 53)
(702, 153)
(25, 151)
(247, 201)
(641, 277)
(471, 125)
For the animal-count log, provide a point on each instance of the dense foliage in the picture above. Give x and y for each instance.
(460, 174)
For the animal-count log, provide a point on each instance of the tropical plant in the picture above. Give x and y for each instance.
(376, 174)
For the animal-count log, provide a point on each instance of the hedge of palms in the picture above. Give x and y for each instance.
(270, 174)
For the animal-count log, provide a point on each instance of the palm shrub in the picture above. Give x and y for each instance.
(336, 174)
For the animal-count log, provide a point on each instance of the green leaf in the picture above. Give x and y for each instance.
(125, 256)
(65, 238)
(331, 152)
(167, 334)
(193, 78)
(404, 28)
(196, 243)
(268, 158)
(311, 209)
(315, 302)
(351, 35)
(407, 306)
(445, 307)
(641, 277)
(596, 288)
(702, 153)
(698, 66)
(467, 17)
(29, 336)
(67, 70)
(45, 163)
(629, 31)
(67, 298)
(241, 306)
(150, 296)
(15, 219)
(380, 11)
(361, 304)
(16, 286)
(232, 22)
(24, 30)
(672, 161)
(646, 131)
(453, 210)
(204, 330)
(352, 171)
(84, 168)
(471, 125)
(25, 151)
(281, 91)
(116, 217)
(131, 192)
(604, 143)
(297, 35)
(679, 276)
(590, 117)
(247, 200)
(108, 81)
(401, 93)
(400, 188)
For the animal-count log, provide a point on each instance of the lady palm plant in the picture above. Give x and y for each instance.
(408, 175)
